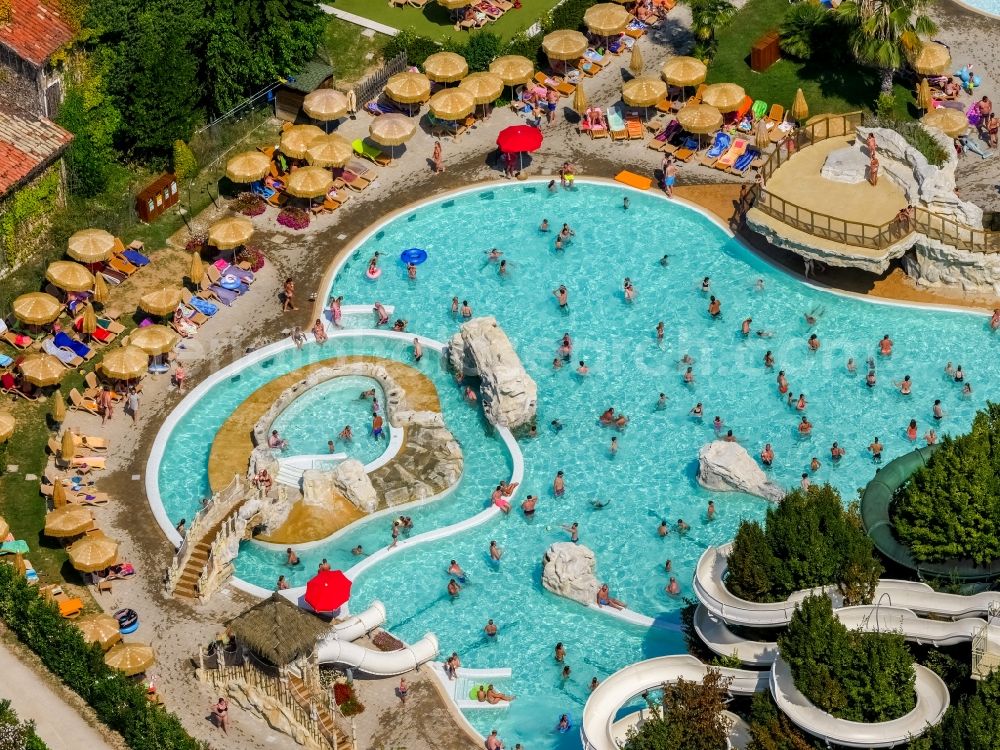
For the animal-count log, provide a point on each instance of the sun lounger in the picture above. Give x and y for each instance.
(18, 340)
(101, 335)
(203, 306)
(65, 341)
(759, 109)
(744, 107)
(719, 146)
(133, 254)
(597, 126)
(354, 181)
(601, 58)
(112, 326)
(744, 162)
(29, 573)
(376, 108)
(776, 115)
(687, 149)
(734, 152)
(214, 275)
(227, 269)
(66, 356)
(121, 265)
(636, 28)
(370, 152)
(633, 126)
(87, 497)
(698, 94)
(78, 403)
(564, 88)
(5, 361)
(619, 131)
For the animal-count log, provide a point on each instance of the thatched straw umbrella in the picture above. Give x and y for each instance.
(248, 166)
(68, 521)
(951, 122)
(700, 118)
(197, 270)
(446, 67)
(58, 412)
(330, 151)
(296, 140)
(130, 658)
(101, 629)
(564, 44)
(932, 59)
(125, 363)
(309, 182)
(42, 370)
(484, 87)
(90, 245)
(88, 321)
(37, 308)
(725, 97)
(7, 425)
(325, 105)
(924, 98)
(636, 63)
(800, 110)
(580, 100)
(408, 87)
(684, 71)
(101, 294)
(161, 301)
(70, 276)
(452, 104)
(762, 138)
(67, 448)
(645, 91)
(154, 340)
(93, 553)
(606, 19)
(278, 631)
(513, 69)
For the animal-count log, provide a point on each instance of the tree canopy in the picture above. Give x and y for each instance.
(687, 717)
(851, 674)
(951, 507)
(809, 539)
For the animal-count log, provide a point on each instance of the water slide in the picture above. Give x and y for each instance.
(338, 648)
(599, 729)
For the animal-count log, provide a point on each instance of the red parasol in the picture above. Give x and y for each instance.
(328, 590)
(519, 138)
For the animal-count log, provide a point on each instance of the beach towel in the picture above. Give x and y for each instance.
(229, 270)
(64, 341)
(203, 306)
(720, 144)
(5, 361)
(136, 258)
(63, 355)
(15, 547)
(225, 296)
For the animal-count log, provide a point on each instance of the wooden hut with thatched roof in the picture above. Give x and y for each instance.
(269, 666)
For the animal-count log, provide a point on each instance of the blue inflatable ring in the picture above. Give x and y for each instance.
(414, 255)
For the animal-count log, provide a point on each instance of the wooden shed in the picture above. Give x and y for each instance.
(288, 101)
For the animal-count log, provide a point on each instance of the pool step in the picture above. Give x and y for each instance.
(458, 690)
(289, 475)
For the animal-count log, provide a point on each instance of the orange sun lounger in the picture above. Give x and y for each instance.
(633, 180)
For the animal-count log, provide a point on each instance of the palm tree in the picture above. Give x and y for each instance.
(706, 17)
(885, 32)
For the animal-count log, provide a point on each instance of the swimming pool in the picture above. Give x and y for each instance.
(989, 7)
(652, 475)
(321, 413)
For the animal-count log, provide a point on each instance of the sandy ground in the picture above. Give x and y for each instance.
(175, 628)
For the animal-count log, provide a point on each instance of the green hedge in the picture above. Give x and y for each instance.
(853, 675)
(118, 701)
(16, 734)
(482, 47)
(951, 507)
(809, 539)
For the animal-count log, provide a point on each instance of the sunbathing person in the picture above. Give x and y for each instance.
(493, 696)
(319, 331)
(604, 598)
(183, 326)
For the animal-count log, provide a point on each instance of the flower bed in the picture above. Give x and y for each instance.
(293, 218)
(385, 641)
(253, 255)
(248, 204)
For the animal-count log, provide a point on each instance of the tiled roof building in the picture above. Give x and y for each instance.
(27, 147)
(31, 31)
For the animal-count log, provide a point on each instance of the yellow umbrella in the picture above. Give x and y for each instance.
(68, 448)
(564, 44)
(800, 110)
(88, 322)
(37, 308)
(7, 424)
(69, 520)
(91, 245)
(101, 293)
(102, 629)
(636, 62)
(606, 19)
(130, 658)
(683, 71)
(58, 412)
(951, 122)
(484, 87)
(452, 104)
(248, 166)
(58, 495)
(453, 4)
(392, 129)
(230, 232)
(296, 140)
(408, 88)
(725, 97)
(579, 100)
(325, 105)
(93, 553)
(643, 92)
(197, 270)
(42, 370)
(125, 363)
(70, 276)
(924, 98)
(160, 301)
(446, 67)
(932, 59)
(330, 151)
(699, 118)
(762, 138)
(4, 527)
(309, 182)
(155, 339)
(513, 69)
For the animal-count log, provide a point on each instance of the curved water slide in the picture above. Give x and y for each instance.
(599, 729)
(709, 586)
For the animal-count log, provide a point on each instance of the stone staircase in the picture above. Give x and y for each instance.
(186, 586)
(309, 702)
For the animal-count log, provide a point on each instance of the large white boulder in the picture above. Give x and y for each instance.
(350, 478)
(568, 570)
(508, 394)
(728, 467)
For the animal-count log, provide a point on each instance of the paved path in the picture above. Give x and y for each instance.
(56, 722)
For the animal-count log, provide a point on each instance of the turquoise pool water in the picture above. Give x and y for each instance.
(319, 415)
(652, 475)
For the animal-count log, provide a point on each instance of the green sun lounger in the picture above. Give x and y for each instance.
(13, 548)
(370, 152)
(759, 109)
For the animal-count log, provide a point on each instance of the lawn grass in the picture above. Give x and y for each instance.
(433, 20)
(827, 88)
(348, 49)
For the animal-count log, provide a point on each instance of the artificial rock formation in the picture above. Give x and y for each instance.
(568, 570)
(508, 394)
(728, 467)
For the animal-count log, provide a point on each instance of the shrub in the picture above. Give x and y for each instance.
(951, 507)
(771, 730)
(853, 675)
(196, 242)
(803, 28)
(482, 48)
(253, 255)
(185, 165)
(248, 204)
(345, 697)
(687, 717)
(807, 540)
(16, 734)
(118, 701)
(293, 218)
(417, 48)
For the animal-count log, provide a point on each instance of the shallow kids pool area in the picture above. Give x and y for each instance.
(652, 475)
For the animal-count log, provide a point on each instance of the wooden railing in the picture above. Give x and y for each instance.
(856, 233)
(373, 84)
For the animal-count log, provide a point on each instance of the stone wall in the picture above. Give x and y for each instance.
(20, 84)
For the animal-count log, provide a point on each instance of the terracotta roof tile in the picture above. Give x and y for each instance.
(27, 145)
(35, 31)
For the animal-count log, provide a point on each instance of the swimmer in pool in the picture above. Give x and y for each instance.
(673, 588)
(885, 346)
(661, 402)
(745, 326)
(608, 416)
(911, 431)
(959, 374)
(759, 285)
(967, 390)
(714, 307)
(782, 383)
(574, 531)
(491, 630)
(682, 526)
(582, 370)
(717, 424)
(662, 530)
(291, 558)
(689, 376)
(495, 552)
(711, 510)
(805, 427)
(455, 570)
(812, 317)
(559, 484)
(562, 295)
(665, 261)
(687, 359)
(697, 411)
(762, 334)
(544, 226)
(814, 343)
(659, 332)
(814, 465)
(851, 367)
(358, 551)
(836, 452)
(800, 405)
(768, 360)
(599, 504)
(876, 448)
(493, 255)
(706, 285)
(560, 652)
(628, 290)
(556, 425)
(528, 506)
(904, 385)
(614, 446)
(938, 409)
(767, 455)
(870, 378)
(930, 436)
(453, 588)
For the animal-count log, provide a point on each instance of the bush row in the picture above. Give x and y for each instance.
(118, 701)
(16, 734)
